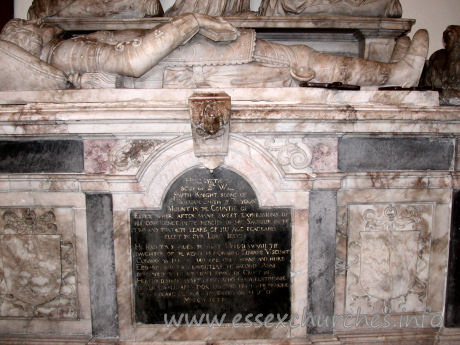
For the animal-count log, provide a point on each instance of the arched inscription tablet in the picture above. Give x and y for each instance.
(210, 250)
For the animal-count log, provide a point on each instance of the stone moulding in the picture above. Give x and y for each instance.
(252, 97)
(375, 25)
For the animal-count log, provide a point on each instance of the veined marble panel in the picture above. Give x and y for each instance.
(37, 269)
(392, 248)
(388, 258)
(44, 285)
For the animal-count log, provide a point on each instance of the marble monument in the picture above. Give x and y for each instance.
(261, 213)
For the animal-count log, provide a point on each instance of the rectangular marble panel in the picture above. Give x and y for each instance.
(452, 317)
(36, 156)
(389, 249)
(381, 154)
(38, 277)
(101, 261)
(321, 258)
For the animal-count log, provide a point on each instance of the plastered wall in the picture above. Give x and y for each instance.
(431, 15)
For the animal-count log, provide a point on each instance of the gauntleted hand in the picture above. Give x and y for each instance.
(216, 28)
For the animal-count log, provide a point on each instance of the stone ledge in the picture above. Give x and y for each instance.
(179, 97)
(449, 336)
(400, 337)
(373, 26)
(43, 340)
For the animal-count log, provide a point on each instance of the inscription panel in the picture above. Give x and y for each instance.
(210, 250)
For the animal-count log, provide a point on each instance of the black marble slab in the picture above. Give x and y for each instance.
(321, 260)
(382, 154)
(41, 156)
(101, 262)
(211, 250)
(452, 317)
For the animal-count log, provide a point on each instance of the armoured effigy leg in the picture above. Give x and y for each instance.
(20, 70)
(308, 64)
(138, 55)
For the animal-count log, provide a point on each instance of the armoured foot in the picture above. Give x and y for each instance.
(401, 48)
(407, 71)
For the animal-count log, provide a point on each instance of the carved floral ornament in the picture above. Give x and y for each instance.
(392, 220)
(28, 222)
(133, 154)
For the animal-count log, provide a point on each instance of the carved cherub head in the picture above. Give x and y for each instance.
(29, 35)
(451, 37)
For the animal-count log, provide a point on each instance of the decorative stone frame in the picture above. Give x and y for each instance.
(438, 200)
(80, 327)
(273, 189)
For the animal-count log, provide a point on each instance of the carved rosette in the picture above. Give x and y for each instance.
(37, 266)
(388, 258)
(210, 122)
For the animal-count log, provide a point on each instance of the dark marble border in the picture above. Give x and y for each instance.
(41, 156)
(452, 317)
(382, 154)
(101, 262)
(321, 259)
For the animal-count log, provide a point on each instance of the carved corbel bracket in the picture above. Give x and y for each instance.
(210, 121)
